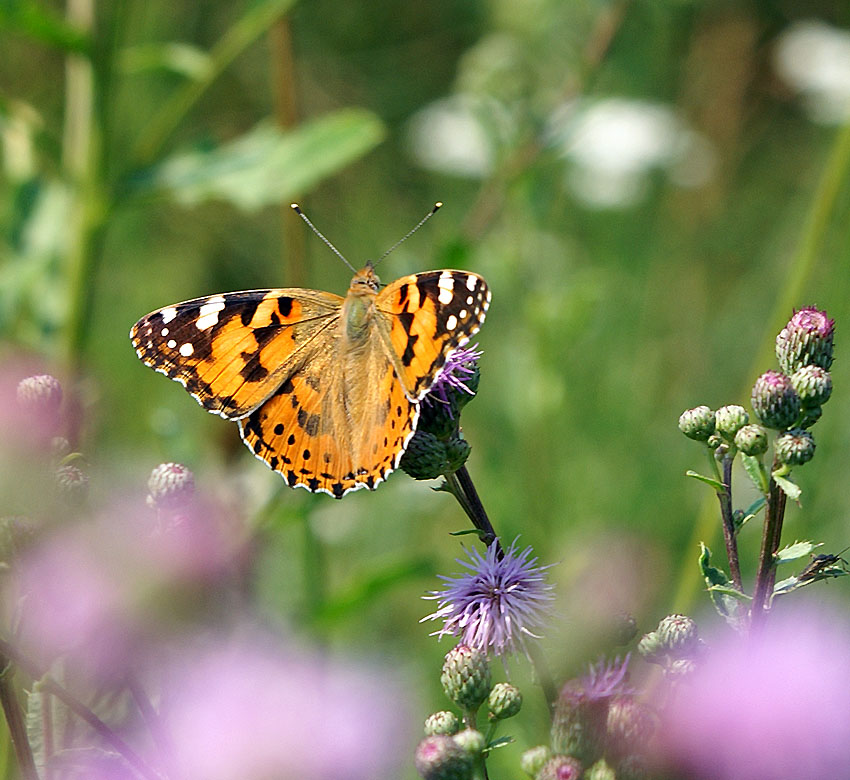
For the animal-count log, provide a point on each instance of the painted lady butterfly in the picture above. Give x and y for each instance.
(326, 390)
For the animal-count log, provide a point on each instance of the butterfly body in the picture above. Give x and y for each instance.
(325, 389)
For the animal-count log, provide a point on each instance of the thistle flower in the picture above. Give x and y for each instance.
(170, 486)
(807, 340)
(498, 604)
(458, 378)
(439, 757)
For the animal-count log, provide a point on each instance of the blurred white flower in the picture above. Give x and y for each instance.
(456, 135)
(614, 144)
(813, 58)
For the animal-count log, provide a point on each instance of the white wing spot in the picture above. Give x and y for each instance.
(469, 300)
(446, 283)
(168, 314)
(171, 343)
(451, 322)
(165, 331)
(462, 314)
(471, 283)
(208, 313)
(186, 349)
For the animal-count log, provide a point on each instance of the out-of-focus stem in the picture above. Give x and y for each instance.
(725, 499)
(15, 721)
(766, 574)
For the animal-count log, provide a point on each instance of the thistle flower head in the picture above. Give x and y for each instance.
(606, 678)
(775, 401)
(497, 604)
(807, 340)
(459, 375)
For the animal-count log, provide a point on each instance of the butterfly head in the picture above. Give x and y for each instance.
(365, 282)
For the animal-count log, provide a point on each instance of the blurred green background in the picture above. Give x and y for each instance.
(649, 187)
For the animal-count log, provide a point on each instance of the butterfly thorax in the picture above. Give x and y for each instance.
(358, 309)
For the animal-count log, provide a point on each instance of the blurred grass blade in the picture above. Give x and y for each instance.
(267, 165)
(35, 20)
(238, 37)
(175, 56)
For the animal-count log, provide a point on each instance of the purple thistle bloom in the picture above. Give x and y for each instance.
(456, 371)
(606, 678)
(498, 604)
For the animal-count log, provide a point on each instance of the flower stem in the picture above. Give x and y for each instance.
(725, 499)
(765, 576)
(15, 721)
(462, 488)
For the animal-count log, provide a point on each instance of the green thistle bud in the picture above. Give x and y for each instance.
(457, 452)
(504, 701)
(73, 484)
(578, 724)
(806, 341)
(775, 401)
(170, 486)
(443, 722)
(439, 757)
(795, 447)
(466, 677)
(697, 423)
(625, 629)
(532, 760)
(813, 384)
(651, 647)
(714, 441)
(751, 440)
(600, 771)
(425, 456)
(630, 725)
(41, 393)
(561, 768)
(471, 741)
(811, 414)
(678, 635)
(730, 419)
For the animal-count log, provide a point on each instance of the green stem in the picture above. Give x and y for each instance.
(725, 498)
(774, 514)
(15, 722)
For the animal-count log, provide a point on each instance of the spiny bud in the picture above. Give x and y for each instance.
(504, 701)
(678, 635)
(751, 440)
(600, 771)
(443, 722)
(425, 456)
(714, 441)
(651, 647)
(813, 384)
(40, 393)
(73, 484)
(561, 768)
(439, 757)
(697, 423)
(578, 723)
(171, 486)
(457, 452)
(795, 447)
(472, 741)
(630, 725)
(532, 760)
(730, 419)
(466, 677)
(682, 667)
(807, 340)
(775, 401)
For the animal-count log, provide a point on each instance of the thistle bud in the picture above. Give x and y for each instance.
(471, 741)
(678, 635)
(714, 441)
(41, 393)
(439, 757)
(561, 768)
(813, 384)
(531, 762)
(795, 447)
(73, 484)
(630, 725)
(600, 771)
(466, 677)
(775, 401)
(697, 423)
(811, 414)
(624, 629)
(443, 722)
(682, 667)
(504, 701)
(170, 486)
(651, 647)
(730, 419)
(457, 452)
(425, 456)
(578, 723)
(751, 440)
(806, 341)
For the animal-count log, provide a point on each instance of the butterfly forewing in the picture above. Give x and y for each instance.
(232, 351)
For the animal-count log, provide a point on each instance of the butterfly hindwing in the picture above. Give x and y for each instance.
(231, 351)
(431, 314)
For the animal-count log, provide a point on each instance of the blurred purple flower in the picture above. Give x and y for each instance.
(454, 375)
(249, 711)
(605, 679)
(498, 604)
(772, 709)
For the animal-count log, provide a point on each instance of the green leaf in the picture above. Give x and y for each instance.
(716, 484)
(713, 575)
(725, 597)
(795, 551)
(500, 742)
(788, 487)
(174, 56)
(267, 165)
(728, 590)
(40, 21)
(755, 471)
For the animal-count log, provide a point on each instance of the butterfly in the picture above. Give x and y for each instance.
(326, 389)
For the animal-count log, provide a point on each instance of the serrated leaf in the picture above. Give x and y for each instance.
(715, 483)
(753, 509)
(795, 551)
(500, 742)
(790, 489)
(787, 585)
(267, 165)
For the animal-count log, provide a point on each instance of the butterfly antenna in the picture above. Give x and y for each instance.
(297, 209)
(437, 206)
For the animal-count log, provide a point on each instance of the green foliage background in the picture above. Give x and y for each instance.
(139, 172)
